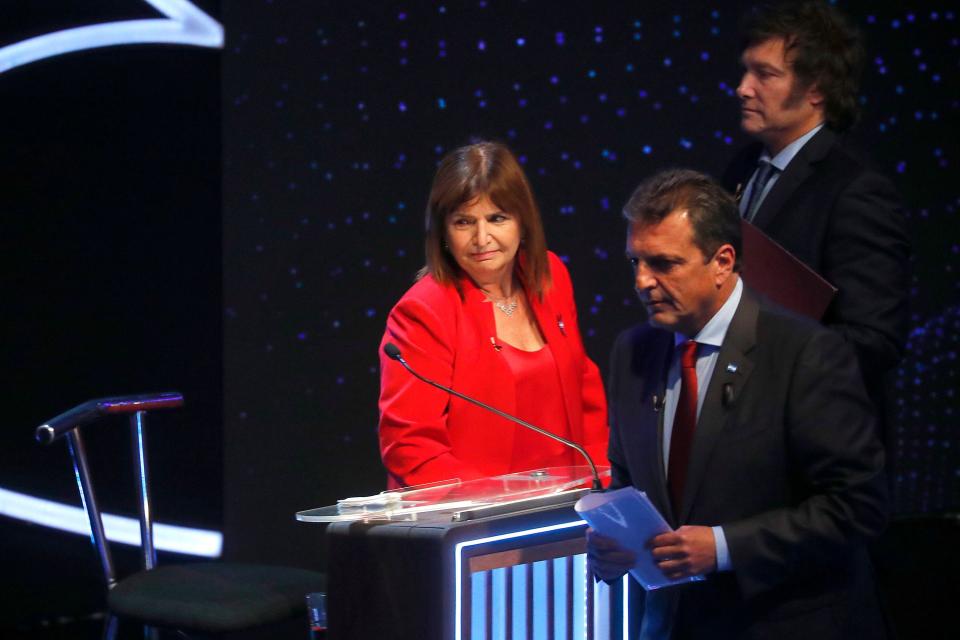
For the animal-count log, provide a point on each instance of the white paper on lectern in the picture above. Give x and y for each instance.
(628, 516)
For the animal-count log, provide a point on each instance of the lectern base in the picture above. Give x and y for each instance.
(521, 575)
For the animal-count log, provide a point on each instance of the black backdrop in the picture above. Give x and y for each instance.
(334, 118)
(325, 133)
(111, 269)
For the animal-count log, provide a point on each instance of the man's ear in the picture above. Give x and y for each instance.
(724, 259)
(815, 96)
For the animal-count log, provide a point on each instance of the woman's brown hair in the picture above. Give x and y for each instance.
(476, 170)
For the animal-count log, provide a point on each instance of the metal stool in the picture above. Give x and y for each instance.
(208, 597)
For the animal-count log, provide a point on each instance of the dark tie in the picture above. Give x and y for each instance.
(684, 422)
(764, 172)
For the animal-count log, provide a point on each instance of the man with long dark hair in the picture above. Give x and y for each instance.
(804, 185)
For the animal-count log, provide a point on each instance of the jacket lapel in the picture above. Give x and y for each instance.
(796, 173)
(730, 375)
(652, 362)
(549, 321)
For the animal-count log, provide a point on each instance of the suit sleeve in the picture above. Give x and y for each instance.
(619, 471)
(866, 258)
(414, 442)
(835, 461)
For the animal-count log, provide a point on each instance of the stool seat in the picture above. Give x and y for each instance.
(208, 597)
(214, 597)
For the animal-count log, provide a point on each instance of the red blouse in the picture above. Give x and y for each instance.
(427, 436)
(535, 375)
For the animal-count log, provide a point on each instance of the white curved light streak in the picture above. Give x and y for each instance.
(185, 24)
(167, 537)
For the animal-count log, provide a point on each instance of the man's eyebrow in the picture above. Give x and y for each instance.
(765, 66)
(662, 257)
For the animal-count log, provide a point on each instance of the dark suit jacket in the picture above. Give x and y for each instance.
(789, 465)
(844, 221)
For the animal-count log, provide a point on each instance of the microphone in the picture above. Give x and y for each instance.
(393, 352)
(728, 395)
(659, 401)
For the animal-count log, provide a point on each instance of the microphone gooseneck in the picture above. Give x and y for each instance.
(393, 352)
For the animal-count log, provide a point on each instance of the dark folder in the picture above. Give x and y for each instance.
(781, 277)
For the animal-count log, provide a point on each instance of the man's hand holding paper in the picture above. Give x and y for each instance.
(634, 534)
(607, 559)
(688, 551)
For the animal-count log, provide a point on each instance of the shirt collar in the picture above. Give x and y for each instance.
(715, 330)
(782, 159)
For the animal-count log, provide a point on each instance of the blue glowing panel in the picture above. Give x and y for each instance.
(478, 604)
(544, 599)
(560, 597)
(541, 578)
(540, 595)
(580, 577)
(531, 620)
(498, 607)
(520, 613)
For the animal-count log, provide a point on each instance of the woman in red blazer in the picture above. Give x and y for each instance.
(492, 315)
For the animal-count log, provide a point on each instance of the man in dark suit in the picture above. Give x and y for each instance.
(750, 431)
(803, 184)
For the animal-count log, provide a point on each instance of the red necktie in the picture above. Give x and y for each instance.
(684, 423)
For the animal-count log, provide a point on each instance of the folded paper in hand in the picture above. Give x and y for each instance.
(628, 516)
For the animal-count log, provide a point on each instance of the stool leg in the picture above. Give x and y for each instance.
(110, 627)
(141, 469)
(82, 471)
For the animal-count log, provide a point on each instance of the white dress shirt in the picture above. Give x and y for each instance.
(779, 162)
(710, 339)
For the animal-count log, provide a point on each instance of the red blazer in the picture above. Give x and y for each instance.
(427, 435)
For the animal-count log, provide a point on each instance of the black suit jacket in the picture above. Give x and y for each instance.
(844, 221)
(786, 460)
